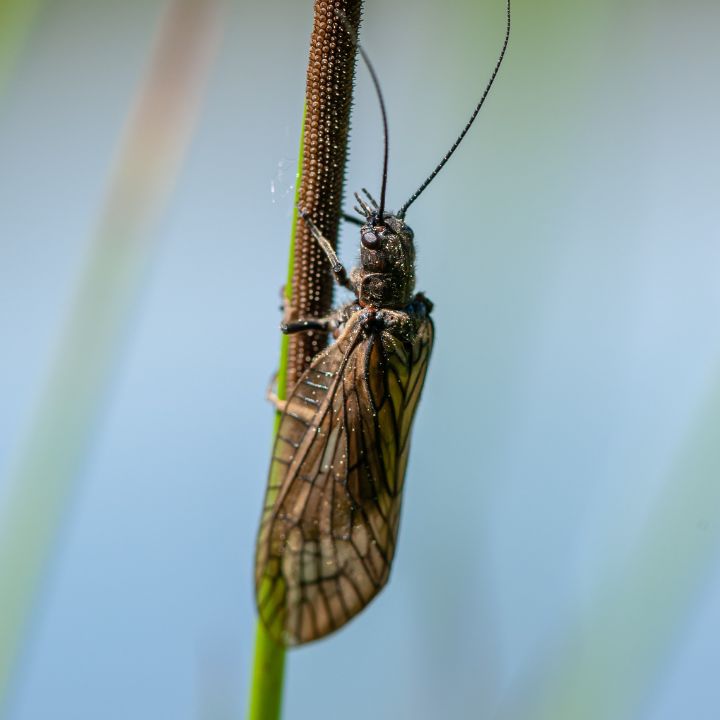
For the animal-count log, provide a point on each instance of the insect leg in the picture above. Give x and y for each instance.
(325, 324)
(372, 200)
(337, 267)
(366, 209)
(329, 323)
(291, 324)
(352, 219)
(271, 395)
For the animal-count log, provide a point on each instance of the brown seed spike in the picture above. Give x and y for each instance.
(328, 100)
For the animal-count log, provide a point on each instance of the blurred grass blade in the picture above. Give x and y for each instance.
(16, 21)
(42, 478)
(606, 666)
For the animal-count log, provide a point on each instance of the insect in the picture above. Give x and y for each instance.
(330, 522)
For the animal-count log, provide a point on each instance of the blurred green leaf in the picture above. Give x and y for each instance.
(16, 20)
(43, 477)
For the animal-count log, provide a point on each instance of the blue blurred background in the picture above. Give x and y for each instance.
(558, 551)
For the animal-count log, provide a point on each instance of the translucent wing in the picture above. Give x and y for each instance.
(332, 509)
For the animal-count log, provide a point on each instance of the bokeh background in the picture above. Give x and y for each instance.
(559, 547)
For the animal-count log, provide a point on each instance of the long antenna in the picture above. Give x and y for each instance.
(378, 91)
(401, 212)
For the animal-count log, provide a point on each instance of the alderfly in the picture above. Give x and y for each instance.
(330, 521)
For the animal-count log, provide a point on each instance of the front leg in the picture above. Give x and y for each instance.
(338, 268)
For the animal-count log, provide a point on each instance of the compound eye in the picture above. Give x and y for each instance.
(370, 240)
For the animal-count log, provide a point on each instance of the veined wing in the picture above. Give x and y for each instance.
(332, 509)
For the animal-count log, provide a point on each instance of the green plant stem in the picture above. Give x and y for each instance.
(268, 674)
(319, 189)
(269, 662)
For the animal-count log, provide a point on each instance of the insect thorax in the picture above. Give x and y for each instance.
(386, 276)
